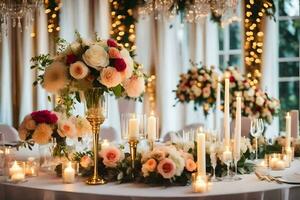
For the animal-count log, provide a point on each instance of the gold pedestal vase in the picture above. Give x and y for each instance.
(96, 108)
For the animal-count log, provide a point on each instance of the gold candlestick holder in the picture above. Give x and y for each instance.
(95, 122)
(133, 149)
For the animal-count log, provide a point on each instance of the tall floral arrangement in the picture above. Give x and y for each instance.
(85, 64)
(255, 102)
(199, 86)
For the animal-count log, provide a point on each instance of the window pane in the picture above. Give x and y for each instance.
(221, 38)
(289, 33)
(221, 62)
(235, 60)
(288, 8)
(235, 35)
(288, 69)
(289, 98)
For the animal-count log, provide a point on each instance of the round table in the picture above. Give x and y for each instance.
(47, 187)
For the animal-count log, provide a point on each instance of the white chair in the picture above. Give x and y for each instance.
(108, 133)
(11, 135)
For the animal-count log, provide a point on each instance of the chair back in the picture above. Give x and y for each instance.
(11, 135)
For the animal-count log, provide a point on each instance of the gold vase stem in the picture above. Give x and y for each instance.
(133, 150)
(95, 179)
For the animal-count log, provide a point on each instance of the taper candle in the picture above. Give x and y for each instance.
(133, 128)
(237, 132)
(226, 114)
(288, 130)
(201, 161)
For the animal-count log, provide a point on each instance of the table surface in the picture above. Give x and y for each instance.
(248, 184)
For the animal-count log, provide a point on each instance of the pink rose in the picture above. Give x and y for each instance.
(134, 86)
(110, 77)
(190, 165)
(166, 168)
(79, 70)
(114, 53)
(86, 161)
(119, 64)
(111, 156)
(112, 43)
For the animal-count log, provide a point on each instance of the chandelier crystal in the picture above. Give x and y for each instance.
(191, 10)
(17, 13)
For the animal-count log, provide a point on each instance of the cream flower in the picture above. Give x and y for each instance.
(55, 77)
(86, 161)
(23, 134)
(75, 47)
(259, 100)
(30, 124)
(110, 77)
(196, 90)
(66, 128)
(83, 126)
(79, 70)
(134, 86)
(96, 57)
(42, 134)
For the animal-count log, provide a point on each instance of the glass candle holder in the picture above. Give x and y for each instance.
(276, 161)
(32, 167)
(200, 183)
(133, 126)
(69, 171)
(289, 152)
(16, 171)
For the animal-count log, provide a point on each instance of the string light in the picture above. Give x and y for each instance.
(123, 23)
(52, 11)
(255, 10)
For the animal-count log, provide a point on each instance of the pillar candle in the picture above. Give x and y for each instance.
(151, 127)
(226, 114)
(69, 174)
(133, 128)
(201, 161)
(288, 130)
(238, 120)
(15, 169)
(218, 108)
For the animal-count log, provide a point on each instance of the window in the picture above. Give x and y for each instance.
(289, 56)
(230, 52)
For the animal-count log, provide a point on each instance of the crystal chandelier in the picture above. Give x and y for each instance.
(17, 13)
(191, 10)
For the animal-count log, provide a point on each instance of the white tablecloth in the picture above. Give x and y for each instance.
(46, 187)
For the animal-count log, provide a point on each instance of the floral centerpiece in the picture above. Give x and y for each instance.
(198, 85)
(255, 102)
(85, 64)
(44, 126)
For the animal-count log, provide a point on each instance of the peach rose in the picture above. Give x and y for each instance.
(66, 128)
(110, 77)
(149, 166)
(23, 133)
(166, 168)
(114, 53)
(42, 134)
(79, 70)
(111, 156)
(134, 86)
(83, 126)
(86, 161)
(190, 165)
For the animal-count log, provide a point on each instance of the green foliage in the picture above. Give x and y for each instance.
(40, 63)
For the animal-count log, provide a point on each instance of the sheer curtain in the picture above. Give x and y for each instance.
(18, 96)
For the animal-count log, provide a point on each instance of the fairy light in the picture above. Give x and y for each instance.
(52, 9)
(255, 11)
(123, 23)
(151, 92)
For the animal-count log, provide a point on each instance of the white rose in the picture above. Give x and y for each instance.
(250, 92)
(96, 57)
(259, 100)
(75, 47)
(79, 70)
